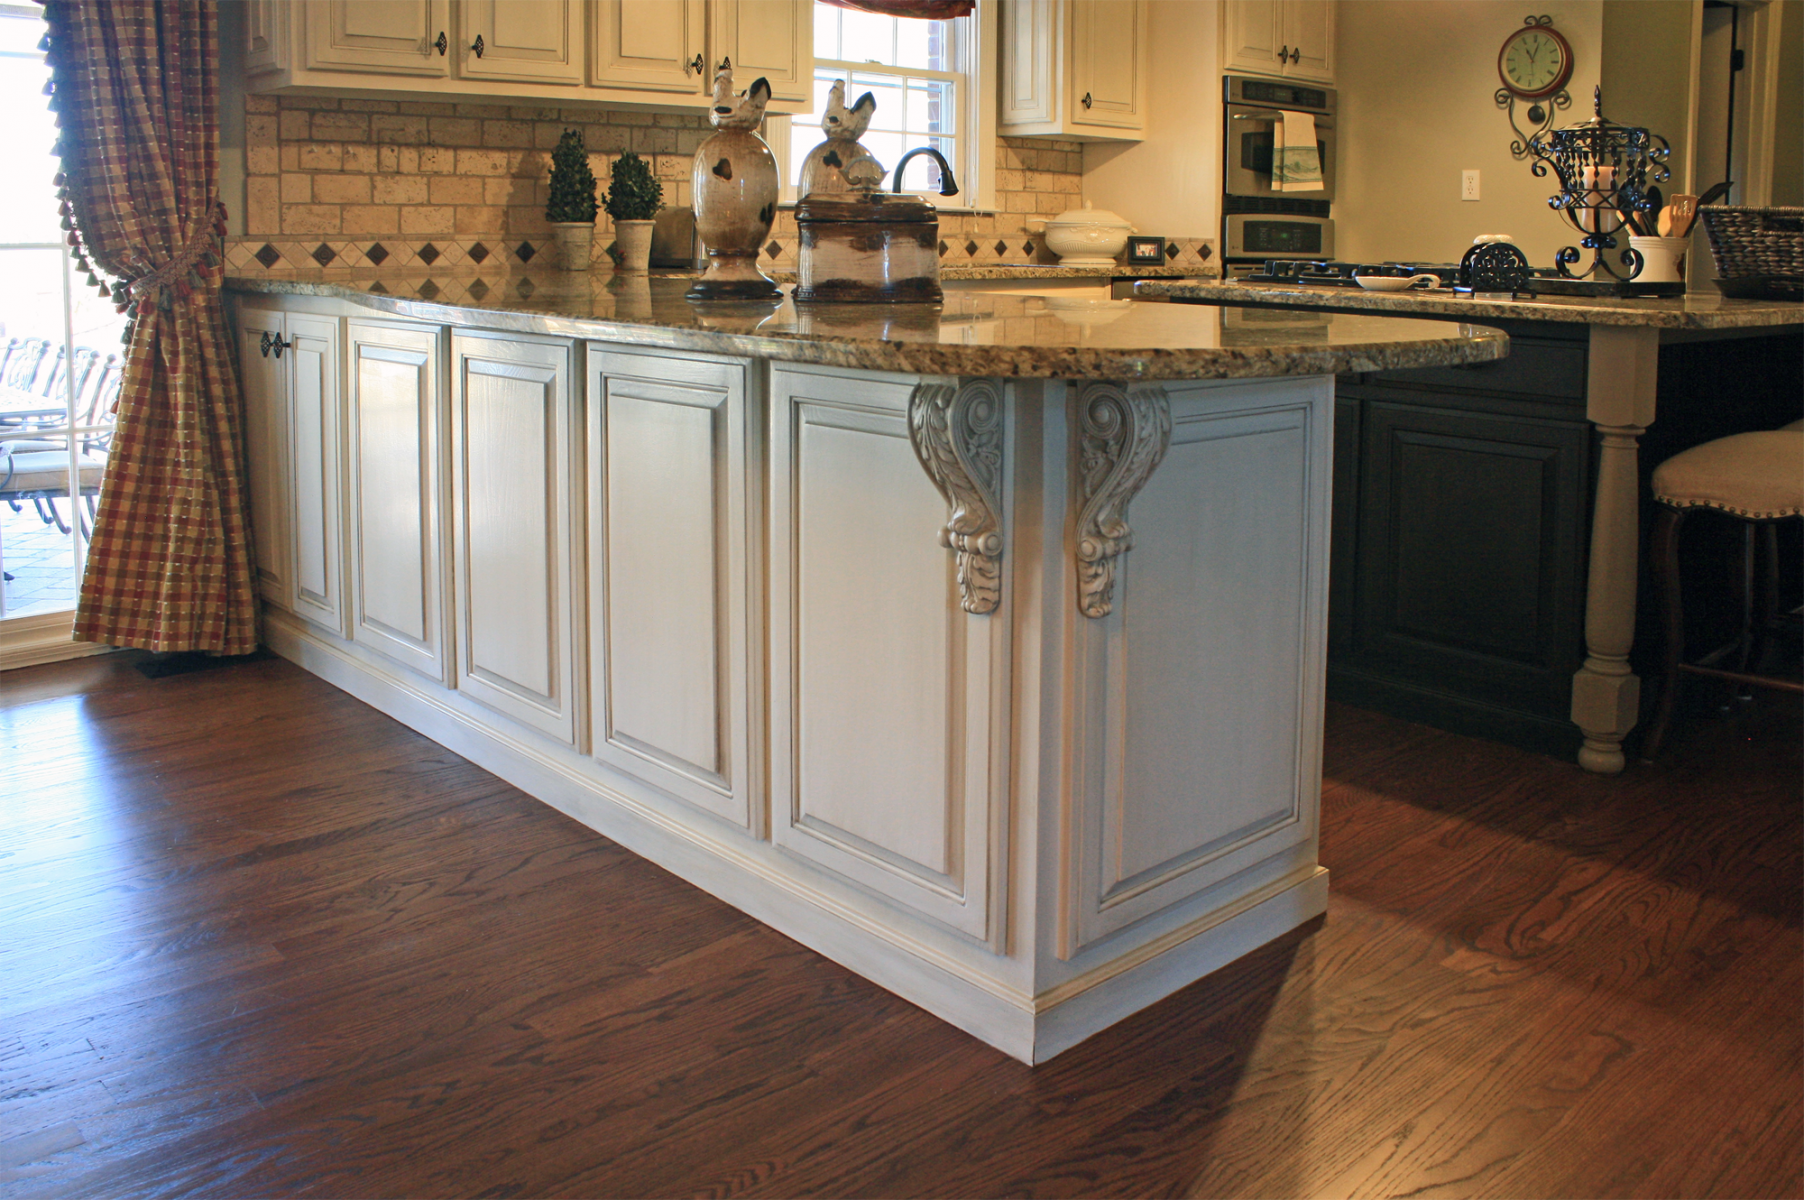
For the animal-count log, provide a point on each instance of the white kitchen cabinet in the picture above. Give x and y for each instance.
(289, 364)
(672, 659)
(659, 52)
(1289, 38)
(512, 514)
(1074, 69)
(889, 702)
(395, 481)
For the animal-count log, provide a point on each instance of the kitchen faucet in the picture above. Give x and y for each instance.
(948, 186)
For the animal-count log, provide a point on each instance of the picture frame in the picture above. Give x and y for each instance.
(1146, 251)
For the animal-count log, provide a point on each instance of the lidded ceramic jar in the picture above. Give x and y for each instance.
(1087, 237)
(867, 247)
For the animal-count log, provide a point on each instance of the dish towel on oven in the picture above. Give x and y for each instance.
(1296, 158)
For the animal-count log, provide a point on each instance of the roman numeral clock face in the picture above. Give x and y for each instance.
(1535, 62)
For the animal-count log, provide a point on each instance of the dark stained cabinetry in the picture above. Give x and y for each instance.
(1461, 504)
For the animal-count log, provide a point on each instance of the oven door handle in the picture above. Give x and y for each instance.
(1256, 116)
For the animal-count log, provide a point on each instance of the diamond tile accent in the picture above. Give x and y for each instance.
(478, 290)
(428, 254)
(324, 254)
(378, 288)
(943, 248)
(377, 253)
(427, 290)
(775, 248)
(525, 287)
(1027, 248)
(1171, 249)
(478, 252)
(1001, 246)
(269, 256)
(1204, 251)
(524, 252)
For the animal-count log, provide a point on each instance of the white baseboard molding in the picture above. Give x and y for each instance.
(42, 638)
(752, 878)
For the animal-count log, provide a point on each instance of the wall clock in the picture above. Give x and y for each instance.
(1534, 63)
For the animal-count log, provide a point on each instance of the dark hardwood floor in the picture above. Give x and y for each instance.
(258, 940)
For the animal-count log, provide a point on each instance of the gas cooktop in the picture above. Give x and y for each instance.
(1341, 274)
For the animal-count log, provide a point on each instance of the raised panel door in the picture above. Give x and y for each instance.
(395, 493)
(264, 35)
(1308, 29)
(671, 654)
(510, 487)
(1030, 73)
(316, 544)
(530, 41)
(651, 45)
(1252, 33)
(1108, 63)
(389, 37)
(888, 750)
(264, 378)
(769, 38)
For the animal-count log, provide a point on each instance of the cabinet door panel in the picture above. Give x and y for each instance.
(317, 561)
(1308, 28)
(1030, 75)
(532, 41)
(669, 592)
(511, 498)
(887, 762)
(769, 38)
(1199, 761)
(389, 37)
(265, 46)
(265, 383)
(650, 46)
(395, 493)
(1108, 64)
(1252, 32)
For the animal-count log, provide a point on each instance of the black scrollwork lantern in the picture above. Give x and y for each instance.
(1604, 171)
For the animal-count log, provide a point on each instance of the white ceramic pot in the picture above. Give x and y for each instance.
(1662, 258)
(633, 240)
(575, 241)
(1087, 237)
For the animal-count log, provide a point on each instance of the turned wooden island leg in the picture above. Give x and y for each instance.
(1606, 694)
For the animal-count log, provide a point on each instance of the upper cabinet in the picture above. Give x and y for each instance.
(1289, 38)
(1074, 69)
(661, 52)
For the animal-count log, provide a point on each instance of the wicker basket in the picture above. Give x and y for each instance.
(1749, 242)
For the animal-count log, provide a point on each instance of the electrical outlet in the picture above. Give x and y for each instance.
(1468, 185)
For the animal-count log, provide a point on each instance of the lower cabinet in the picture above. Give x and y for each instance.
(671, 652)
(512, 547)
(289, 364)
(887, 768)
(395, 490)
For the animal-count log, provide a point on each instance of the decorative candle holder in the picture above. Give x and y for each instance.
(1604, 171)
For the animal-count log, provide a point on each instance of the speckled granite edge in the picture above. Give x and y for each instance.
(1463, 344)
(1687, 312)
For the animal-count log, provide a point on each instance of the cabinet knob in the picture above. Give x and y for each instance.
(1086, 101)
(477, 47)
(273, 341)
(1296, 52)
(443, 44)
(1283, 53)
(696, 65)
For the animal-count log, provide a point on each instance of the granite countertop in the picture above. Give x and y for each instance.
(1679, 312)
(973, 333)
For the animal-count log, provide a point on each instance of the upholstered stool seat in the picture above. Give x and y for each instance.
(1754, 478)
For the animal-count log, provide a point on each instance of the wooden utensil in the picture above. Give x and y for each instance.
(1683, 211)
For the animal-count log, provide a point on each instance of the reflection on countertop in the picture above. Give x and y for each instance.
(1695, 311)
(974, 333)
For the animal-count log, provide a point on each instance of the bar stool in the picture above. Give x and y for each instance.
(1754, 478)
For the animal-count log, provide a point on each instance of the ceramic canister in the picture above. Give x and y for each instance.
(868, 247)
(735, 195)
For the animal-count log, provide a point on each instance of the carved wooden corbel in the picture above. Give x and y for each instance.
(1123, 432)
(957, 435)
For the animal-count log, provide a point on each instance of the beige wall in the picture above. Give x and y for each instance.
(1788, 127)
(1170, 184)
(1650, 76)
(1416, 83)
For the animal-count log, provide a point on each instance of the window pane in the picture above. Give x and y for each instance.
(826, 31)
(28, 203)
(890, 112)
(868, 38)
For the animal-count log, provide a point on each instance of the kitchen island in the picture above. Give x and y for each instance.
(1488, 521)
(978, 647)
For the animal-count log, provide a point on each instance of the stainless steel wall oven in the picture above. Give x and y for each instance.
(1260, 221)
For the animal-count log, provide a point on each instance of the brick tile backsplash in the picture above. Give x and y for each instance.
(339, 173)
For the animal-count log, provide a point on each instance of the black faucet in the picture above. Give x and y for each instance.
(948, 185)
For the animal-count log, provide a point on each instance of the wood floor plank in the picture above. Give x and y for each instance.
(259, 940)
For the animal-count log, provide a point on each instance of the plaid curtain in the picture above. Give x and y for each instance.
(135, 91)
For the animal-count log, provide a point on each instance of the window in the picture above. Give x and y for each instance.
(930, 92)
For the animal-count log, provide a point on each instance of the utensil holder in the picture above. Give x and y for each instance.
(1662, 258)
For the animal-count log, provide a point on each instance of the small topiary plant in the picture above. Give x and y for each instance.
(633, 195)
(572, 183)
